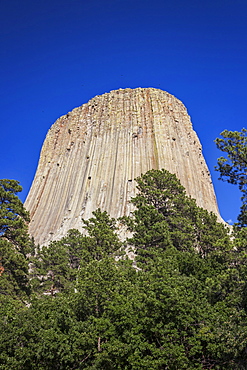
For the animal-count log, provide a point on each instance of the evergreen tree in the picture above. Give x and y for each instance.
(233, 168)
(15, 243)
(183, 308)
(165, 215)
(58, 264)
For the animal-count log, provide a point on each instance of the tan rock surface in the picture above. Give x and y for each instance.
(92, 155)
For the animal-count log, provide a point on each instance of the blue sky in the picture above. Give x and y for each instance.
(56, 55)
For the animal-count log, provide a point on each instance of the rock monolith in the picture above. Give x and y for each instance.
(92, 155)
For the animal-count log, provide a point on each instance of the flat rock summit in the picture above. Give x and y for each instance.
(92, 155)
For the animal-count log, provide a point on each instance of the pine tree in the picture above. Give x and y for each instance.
(58, 264)
(15, 243)
(233, 168)
(165, 216)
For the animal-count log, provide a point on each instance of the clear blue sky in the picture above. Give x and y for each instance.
(57, 54)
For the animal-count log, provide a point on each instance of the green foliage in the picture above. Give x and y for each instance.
(15, 243)
(233, 168)
(184, 307)
(51, 270)
(123, 319)
(165, 215)
(102, 239)
(58, 264)
(13, 216)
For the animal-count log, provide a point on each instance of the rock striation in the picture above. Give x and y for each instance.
(92, 155)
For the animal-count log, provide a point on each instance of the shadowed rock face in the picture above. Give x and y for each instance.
(92, 155)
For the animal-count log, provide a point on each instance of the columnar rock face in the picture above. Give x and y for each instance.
(92, 155)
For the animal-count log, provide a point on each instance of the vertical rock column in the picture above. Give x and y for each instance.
(92, 155)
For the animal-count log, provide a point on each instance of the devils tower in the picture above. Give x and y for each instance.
(92, 155)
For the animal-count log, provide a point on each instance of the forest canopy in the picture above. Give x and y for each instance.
(82, 303)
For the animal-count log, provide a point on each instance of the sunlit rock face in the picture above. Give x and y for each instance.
(92, 155)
